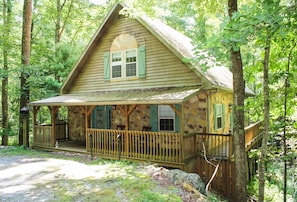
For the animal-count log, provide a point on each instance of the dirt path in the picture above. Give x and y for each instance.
(25, 178)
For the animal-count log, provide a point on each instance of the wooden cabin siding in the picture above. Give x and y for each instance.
(163, 68)
(220, 97)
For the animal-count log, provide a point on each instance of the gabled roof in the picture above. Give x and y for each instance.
(179, 44)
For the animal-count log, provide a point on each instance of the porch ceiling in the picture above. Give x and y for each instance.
(150, 96)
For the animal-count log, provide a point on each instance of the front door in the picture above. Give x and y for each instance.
(101, 117)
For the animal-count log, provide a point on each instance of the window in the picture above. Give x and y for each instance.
(166, 118)
(130, 63)
(116, 59)
(219, 116)
(121, 64)
(124, 64)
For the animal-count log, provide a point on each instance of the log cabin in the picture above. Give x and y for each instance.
(132, 95)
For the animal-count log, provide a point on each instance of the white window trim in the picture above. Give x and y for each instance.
(123, 64)
(168, 117)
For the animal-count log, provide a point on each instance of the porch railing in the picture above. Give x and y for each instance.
(42, 135)
(145, 145)
(171, 148)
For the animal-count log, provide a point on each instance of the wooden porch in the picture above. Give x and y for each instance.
(166, 149)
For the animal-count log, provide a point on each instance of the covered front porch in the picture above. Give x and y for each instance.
(166, 149)
(127, 125)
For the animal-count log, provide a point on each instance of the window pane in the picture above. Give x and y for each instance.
(219, 122)
(166, 124)
(116, 57)
(219, 110)
(131, 69)
(116, 71)
(165, 111)
(130, 56)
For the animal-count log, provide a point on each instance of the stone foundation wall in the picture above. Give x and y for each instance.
(76, 124)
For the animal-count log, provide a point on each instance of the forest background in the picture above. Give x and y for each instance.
(265, 32)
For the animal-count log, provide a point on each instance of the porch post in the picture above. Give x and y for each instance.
(87, 111)
(182, 130)
(54, 110)
(35, 111)
(126, 130)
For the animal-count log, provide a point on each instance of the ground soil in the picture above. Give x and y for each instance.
(31, 178)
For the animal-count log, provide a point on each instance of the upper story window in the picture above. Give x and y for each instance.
(124, 64)
(126, 59)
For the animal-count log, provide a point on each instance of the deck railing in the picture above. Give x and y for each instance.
(145, 145)
(252, 132)
(221, 145)
(214, 145)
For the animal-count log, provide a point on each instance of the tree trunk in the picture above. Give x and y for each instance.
(26, 53)
(6, 31)
(238, 132)
(58, 22)
(262, 164)
(287, 85)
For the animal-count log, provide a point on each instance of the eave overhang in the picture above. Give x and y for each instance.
(149, 96)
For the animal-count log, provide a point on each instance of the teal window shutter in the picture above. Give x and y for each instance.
(177, 119)
(106, 66)
(154, 117)
(141, 62)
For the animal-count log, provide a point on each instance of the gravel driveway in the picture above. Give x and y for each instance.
(48, 179)
(37, 178)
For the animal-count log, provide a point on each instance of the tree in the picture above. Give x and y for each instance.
(25, 62)
(238, 113)
(7, 6)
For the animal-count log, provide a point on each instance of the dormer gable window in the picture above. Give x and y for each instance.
(125, 60)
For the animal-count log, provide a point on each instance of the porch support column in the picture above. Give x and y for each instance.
(54, 110)
(87, 110)
(35, 111)
(127, 111)
(182, 129)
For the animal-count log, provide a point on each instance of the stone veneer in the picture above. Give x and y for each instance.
(138, 118)
(195, 114)
(76, 124)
